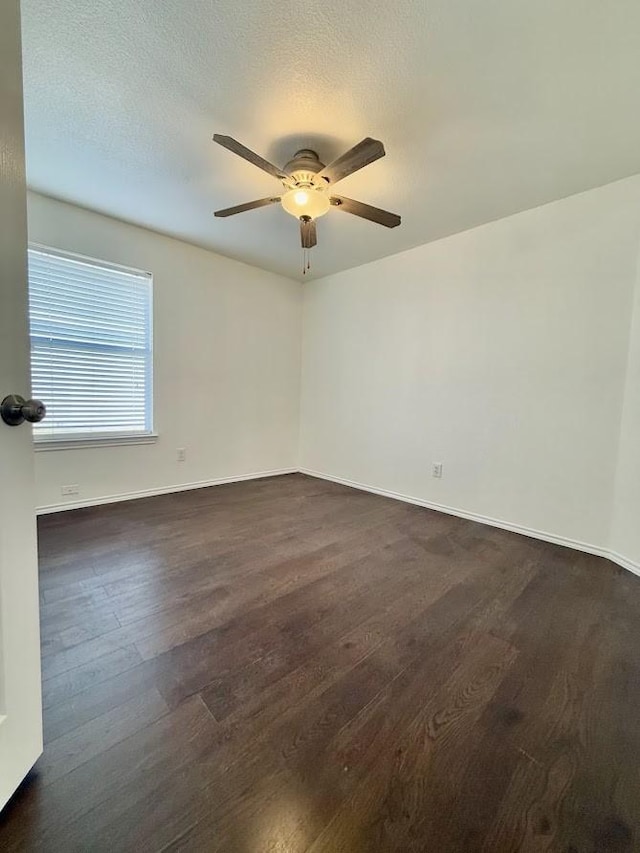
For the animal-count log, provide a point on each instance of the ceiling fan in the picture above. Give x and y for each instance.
(308, 184)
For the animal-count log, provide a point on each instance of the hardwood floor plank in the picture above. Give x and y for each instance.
(233, 687)
(415, 772)
(271, 568)
(290, 664)
(85, 652)
(122, 777)
(415, 659)
(256, 689)
(97, 735)
(60, 634)
(60, 688)
(96, 699)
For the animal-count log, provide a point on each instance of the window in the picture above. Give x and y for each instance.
(91, 355)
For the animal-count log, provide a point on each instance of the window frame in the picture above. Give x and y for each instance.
(70, 441)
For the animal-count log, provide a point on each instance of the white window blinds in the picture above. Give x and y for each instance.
(91, 357)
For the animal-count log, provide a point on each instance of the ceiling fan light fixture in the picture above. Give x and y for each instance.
(306, 201)
(308, 185)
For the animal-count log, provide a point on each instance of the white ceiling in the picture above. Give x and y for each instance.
(485, 108)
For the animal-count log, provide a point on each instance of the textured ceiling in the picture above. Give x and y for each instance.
(485, 109)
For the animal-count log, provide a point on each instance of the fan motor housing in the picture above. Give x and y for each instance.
(304, 167)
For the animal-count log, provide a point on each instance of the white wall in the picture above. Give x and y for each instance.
(226, 363)
(500, 352)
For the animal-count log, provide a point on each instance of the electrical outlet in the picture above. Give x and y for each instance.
(73, 489)
(436, 470)
(181, 454)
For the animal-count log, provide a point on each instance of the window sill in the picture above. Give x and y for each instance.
(102, 441)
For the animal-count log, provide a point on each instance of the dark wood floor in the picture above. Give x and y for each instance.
(290, 665)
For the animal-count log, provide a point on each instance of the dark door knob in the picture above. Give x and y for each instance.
(14, 409)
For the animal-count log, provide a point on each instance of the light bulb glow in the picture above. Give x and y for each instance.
(306, 202)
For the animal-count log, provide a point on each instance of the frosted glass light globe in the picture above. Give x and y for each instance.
(305, 202)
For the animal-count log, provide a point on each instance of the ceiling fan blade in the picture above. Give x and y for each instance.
(366, 211)
(250, 205)
(308, 234)
(355, 158)
(231, 144)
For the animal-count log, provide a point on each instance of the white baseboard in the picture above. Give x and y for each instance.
(163, 490)
(597, 551)
(624, 562)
